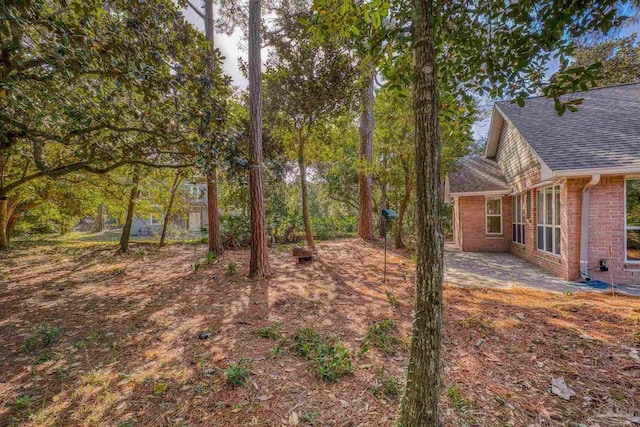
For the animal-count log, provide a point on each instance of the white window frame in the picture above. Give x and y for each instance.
(487, 215)
(518, 222)
(627, 227)
(555, 189)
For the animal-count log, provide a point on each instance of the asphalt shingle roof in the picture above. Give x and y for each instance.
(605, 132)
(476, 174)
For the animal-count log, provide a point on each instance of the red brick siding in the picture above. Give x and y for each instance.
(470, 234)
(607, 230)
(553, 263)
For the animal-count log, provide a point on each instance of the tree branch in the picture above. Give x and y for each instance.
(196, 9)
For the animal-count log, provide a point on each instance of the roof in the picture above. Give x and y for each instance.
(603, 133)
(476, 175)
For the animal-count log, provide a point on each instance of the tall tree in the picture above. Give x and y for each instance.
(420, 405)
(172, 196)
(210, 166)
(365, 178)
(305, 82)
(259, 261)
(619, 59)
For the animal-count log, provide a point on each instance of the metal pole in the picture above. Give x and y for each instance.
(385, 251)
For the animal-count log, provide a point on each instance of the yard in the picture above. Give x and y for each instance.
(165, 337)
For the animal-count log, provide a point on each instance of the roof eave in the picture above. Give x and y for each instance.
(495, 128)
(585, 172)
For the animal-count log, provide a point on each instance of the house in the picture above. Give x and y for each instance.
(562, 192)
(196, 213)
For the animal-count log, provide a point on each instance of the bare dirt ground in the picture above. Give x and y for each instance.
(89, 337)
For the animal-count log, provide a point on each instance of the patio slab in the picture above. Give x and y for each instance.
(504, 270)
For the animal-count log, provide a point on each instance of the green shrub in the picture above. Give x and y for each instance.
(211, 256)
(382, 336)
(330, 357)
(237, 373)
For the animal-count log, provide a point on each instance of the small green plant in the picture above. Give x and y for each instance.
(456, 397)
(24, 402)
(271, 332)
(130, 423)
(386, 386)
(199, 389)
(196, 266)
(45, 357)
(237, 373)
(309, 417)
(62, 374)
(382, 336)
(140, 253)
(393, 301)
(330, 357)
(117, 271)
(45, 336)
(231, 268)
(276, 351)
(211, 256)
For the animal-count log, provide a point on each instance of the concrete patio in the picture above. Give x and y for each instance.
(504, 270)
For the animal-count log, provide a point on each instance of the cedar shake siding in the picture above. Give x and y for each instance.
(519, 164)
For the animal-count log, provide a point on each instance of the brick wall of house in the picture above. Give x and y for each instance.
(529, 250)
(471, 232)
(607, 230)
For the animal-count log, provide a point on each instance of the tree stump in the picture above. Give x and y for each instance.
(302, 254)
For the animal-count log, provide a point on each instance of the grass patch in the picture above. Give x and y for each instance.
(382, 336)
(270, 332)
(46, 336)
(232, 267)
(330, 357)
(24, 402)
(237, 373)
(456, 398)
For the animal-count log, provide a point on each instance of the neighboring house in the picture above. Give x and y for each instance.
(562, 192)
(196, 218)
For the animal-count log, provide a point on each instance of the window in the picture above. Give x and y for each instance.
(518, 205)
(549, 220)
(493, 210)
(632, 214)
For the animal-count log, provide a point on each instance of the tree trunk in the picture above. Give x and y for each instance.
(404, 204)
(215, 239)
(4, 221)
(213, 217)
(365, 220)
(259, 261)
(99, 224)
(167, 214)
(126, 231)
(304, 195)
(420, 403)
(64, 227)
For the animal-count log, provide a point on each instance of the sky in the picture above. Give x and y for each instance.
(233, 48)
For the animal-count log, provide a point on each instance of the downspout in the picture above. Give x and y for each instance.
(584, 228)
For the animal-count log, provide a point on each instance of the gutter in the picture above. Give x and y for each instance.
(584, 228)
